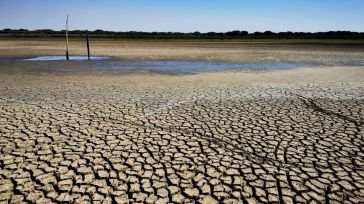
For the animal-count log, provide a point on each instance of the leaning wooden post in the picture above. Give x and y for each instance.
(67, 57)
(88, 46)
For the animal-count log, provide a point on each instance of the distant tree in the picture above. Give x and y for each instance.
(23, 30)
(244, 33)
(269, 34)
(98, 31)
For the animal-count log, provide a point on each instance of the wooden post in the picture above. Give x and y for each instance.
(67, 57)
(88, 46)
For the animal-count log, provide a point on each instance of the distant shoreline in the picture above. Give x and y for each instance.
(217, 41)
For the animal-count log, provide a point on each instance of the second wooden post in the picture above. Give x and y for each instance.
(88, 46)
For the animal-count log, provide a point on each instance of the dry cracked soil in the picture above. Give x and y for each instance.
(71, 142)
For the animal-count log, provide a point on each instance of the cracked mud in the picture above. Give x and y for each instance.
(182, 144)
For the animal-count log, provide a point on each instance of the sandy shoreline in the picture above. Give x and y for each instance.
(206, 51)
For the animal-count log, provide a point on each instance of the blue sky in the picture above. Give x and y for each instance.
(185, 15)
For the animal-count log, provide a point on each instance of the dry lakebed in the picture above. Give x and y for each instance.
(243, 122)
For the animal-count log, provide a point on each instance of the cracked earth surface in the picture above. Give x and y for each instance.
(181, 144)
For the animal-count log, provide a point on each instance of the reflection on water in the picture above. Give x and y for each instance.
(188, 67)
(58, 58)
(107, 64)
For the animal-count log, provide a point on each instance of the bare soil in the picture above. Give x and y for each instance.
(269, 137)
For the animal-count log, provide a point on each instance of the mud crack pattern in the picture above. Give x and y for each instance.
(207, 144)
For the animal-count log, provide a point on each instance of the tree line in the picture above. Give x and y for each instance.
(178, 35)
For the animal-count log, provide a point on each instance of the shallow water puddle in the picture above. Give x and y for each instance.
(103, 63)
(167, 66)
(59, 58)
(185, 67)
